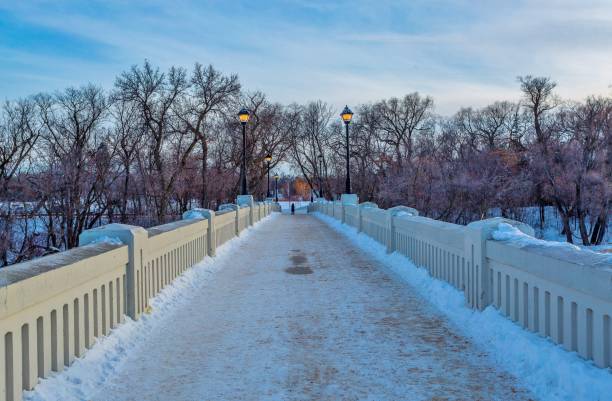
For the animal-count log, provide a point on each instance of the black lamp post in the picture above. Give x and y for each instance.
(268, 159)
(243, 115)
(320, 175)
(347, 116)
(276, 177)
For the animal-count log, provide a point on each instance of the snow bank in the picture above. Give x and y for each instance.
(506, 232)
(547, 370)
(83, 379)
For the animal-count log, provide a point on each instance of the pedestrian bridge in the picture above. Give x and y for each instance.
(290, 309)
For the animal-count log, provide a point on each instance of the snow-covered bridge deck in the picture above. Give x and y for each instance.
(295, 313)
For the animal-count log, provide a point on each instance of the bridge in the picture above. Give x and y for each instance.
(349, 301)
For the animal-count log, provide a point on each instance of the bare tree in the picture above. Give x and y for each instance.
(19, 132)
(539, 100)
(75, 152)
(399, 120)
(584, 155)
(210, 96)
(310, 140)
(127, 137)
(268, 132)
(157, 94)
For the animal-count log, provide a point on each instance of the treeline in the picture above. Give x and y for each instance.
(160, 142)
(141, 153)
(541, 152)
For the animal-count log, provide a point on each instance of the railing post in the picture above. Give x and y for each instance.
(211, 233)
(348, 199)
(478, 289)
(236, 210)
(391, 232)
(391, 214)
(244, 201)
(135, 238)
(364, 205)
(237, 221)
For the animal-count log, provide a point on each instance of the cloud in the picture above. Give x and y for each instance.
(461, 52)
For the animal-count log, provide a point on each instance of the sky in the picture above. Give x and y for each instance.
(460, 52)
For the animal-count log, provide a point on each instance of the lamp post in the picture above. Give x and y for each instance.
(268, 159)
(276, 177)
(243, 115)
(347, 116)
(320, 157)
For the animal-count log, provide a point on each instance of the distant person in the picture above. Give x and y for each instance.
(293, 208)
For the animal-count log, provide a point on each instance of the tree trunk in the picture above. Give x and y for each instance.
(567, 230)
(565, 220)
(600, 227)
(204, 194)
(584, 234)
(124, 198)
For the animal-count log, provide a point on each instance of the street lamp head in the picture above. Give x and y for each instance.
(347, 115)
(268, 158)
(243, 115)
(276, 177)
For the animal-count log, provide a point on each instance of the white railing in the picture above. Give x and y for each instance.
(244, 215)
(225, 225)
(53, 308)
(557, 294)
(561, 293)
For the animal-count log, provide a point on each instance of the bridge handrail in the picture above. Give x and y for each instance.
(53, 308)
(562, 293)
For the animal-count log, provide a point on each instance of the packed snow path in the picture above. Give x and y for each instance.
(298, 313)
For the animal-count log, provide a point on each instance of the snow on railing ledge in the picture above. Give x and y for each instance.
(559, 250)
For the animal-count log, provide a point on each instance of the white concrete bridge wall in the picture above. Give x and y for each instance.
(52, 309)
(562, 294)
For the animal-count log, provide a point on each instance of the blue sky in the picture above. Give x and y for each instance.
(462, 52)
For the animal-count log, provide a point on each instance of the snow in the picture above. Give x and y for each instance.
(83, 379)
(547, 370)
(107, 240)
(403, 213)
(553, 226)
(227, 206)
(193, 214)
(507, 232)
